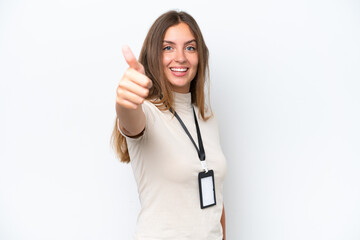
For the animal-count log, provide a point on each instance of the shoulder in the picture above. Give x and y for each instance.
(152, 114)
(209, 114)
(150, 109)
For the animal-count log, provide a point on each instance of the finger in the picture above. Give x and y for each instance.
(131, 59)
(134, 88)
(138, 78)
(130, 97)
(127, 104)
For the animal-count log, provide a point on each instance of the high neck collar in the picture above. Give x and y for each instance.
(182, 100)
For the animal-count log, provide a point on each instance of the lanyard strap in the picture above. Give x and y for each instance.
(200, 150)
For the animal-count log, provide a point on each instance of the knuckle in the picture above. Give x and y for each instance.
(146, 92)
(140, 100)
(120, 102)
(131, 70)
(121, 84)
(120, 91)
(149, 83)
(135, 106)
(127, 73)
(146, 81)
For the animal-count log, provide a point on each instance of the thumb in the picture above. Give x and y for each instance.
(131, 59)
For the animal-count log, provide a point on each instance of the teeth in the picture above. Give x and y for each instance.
(178, 69)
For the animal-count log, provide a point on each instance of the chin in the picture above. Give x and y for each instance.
(179, 83)
(182, 88)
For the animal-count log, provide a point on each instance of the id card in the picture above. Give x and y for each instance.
(207, 189)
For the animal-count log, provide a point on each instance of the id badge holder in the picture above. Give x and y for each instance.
(207, 189)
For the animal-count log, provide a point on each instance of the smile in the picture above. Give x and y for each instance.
(179, 69)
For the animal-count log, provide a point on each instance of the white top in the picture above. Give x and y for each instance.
(166, 167)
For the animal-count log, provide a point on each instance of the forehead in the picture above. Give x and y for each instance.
(179, 33)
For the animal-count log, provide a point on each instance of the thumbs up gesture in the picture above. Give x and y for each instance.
(134, 86)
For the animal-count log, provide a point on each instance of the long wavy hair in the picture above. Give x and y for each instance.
(160, 93)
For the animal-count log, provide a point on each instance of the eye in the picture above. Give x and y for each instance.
(190, 48)
(167, 48)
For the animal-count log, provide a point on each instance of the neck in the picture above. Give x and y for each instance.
(182, 100)
(182, 89)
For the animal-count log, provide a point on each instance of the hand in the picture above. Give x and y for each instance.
(134, 86)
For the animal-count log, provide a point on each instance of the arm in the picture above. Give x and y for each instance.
(222, 220)
(131, 122)
(132, 90)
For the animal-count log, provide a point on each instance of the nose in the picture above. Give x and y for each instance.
(180, 56)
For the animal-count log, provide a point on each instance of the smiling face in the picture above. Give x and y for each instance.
(180, 57)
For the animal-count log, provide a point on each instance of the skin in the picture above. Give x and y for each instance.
(132, 90)
(179, 52)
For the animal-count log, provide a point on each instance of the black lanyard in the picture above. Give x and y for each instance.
(200, 150)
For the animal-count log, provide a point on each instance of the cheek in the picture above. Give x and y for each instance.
(166, 60)
(195, 61)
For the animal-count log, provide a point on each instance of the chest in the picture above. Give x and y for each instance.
(175, 157)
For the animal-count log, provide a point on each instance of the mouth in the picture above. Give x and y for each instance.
(179, 69)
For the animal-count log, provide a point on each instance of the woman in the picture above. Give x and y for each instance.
(171, 139)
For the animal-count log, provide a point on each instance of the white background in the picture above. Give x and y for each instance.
(284, 85)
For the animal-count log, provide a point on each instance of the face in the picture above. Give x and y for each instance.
(180, 57)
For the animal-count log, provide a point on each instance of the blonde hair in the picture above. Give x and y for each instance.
(151, 58)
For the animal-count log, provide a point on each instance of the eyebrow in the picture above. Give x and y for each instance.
(170, 42)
